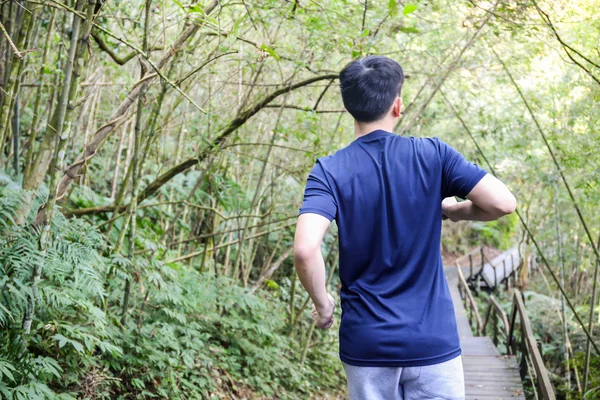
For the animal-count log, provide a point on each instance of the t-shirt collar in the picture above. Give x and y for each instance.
(373, 135)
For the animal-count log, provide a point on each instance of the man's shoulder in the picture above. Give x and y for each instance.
(426, 141)
(336, 156)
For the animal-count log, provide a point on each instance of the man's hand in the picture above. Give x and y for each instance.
(324, 318)
(447, 205)
(489, 200)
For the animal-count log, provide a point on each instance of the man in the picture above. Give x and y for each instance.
(388, 195)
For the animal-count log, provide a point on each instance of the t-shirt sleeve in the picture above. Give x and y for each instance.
(318, 197)
(459, 176)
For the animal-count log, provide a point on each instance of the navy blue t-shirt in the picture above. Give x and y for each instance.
(385, 193)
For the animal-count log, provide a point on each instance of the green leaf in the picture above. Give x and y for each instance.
(408, 29)
(272, 284)
(6, 369)
(78, 346)
(179, 4)
(392, 8)
(270, 50)
(409, 9)
(61, 340)
(365, 32)
(197, 9)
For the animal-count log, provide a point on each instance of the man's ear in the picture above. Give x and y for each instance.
(397, 107)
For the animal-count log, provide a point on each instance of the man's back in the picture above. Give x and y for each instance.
(385, 193)
(389, 195)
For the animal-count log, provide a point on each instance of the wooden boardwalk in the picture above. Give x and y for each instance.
(488, 375)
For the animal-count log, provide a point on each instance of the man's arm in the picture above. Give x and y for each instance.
(489, 200)
(310, 265)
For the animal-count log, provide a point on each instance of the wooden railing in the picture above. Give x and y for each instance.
(496, 314)
(469, 255)
(475, 271)
(525, 346)
(531, 365)
(469, 301)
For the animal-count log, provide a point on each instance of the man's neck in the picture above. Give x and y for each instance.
(364, 128)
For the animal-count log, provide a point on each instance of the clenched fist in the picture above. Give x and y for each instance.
(324, 318)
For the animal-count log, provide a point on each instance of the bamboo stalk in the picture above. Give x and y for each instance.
(586, 365)
(7, 58)
(65, 106)
(56, 168)
(14, 80)
(38, 95)
(132, 209)
(117, 164)
(562, 300)
(255, 197)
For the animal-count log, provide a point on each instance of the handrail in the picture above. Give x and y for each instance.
(471, 305)
(470, 254)
(529, 348)
(505, 277)
(473, 251)
(496, 312)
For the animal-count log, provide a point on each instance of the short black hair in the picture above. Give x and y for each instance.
(369, 87)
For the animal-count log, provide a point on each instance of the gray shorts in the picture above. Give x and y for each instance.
(444, 381)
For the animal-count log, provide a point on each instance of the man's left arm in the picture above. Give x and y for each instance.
(310, 265)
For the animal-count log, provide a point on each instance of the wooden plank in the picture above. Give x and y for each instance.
(478, 346)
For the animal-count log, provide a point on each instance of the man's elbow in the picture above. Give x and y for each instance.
(304, 252)
(506, 206)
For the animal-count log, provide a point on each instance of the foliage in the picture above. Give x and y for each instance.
(148, 289)
(195, 335)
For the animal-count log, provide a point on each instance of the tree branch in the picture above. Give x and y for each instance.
(10, 42)
(217, 142)
(566, 47)
(101, 134)
(228, 130)
(548, 22)
(108, 50)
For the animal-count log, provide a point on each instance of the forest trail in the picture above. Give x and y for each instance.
(488, 375)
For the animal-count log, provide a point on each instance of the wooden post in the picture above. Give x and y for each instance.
(506, 277)
(482, 264)
(495, 278)
(523, 370)
(482, 256)
(470, 266)
(495, 326)
(512, 264)
(470, 313)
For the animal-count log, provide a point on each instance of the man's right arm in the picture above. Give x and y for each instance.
(489, 200)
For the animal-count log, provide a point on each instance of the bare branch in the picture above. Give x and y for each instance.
(10, 42)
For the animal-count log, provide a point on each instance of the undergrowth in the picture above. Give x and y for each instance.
(187, 334)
